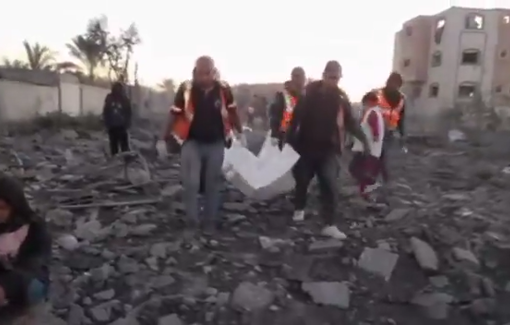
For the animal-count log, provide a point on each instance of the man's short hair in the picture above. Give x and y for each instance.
(332, 66)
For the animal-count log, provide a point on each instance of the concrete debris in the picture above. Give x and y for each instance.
(123, 256)
(425, 255)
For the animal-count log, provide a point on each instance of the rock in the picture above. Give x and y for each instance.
(425, 255)
(466, 257)
(328, 293)
(143, 229)
(172, 319)
(89, 230)
(105, 295)
(250, 297)
(159, 250)
(76, 315)
(396, 214)
(435, 305)
(60, 217)
(483, 306)
(68, 242)
(439, 281)
(325, 245)
(378, 261)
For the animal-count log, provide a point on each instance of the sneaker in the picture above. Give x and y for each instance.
(299, 215)
(333, 232)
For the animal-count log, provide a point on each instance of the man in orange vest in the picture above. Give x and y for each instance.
(392, 103)
(282, 109)
(204, 116)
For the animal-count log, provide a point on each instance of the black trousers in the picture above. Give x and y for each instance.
(119, 140)
(326, 169)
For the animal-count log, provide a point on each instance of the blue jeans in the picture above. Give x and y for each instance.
(201, 164)
(37, 292)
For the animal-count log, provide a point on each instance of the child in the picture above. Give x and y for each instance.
(365, 168)
(25, 252)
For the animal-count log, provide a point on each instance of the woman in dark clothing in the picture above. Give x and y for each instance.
(25, 251)
(117, 118)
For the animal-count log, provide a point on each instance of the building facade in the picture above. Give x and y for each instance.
(454, 56)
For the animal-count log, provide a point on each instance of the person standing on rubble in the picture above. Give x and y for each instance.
(282, 108)
(25, 253)
(316, 132)
(117, 115)
(392, 102)
(204, 118)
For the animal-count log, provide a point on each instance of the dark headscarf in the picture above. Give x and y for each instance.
(11, 191)
(393, 95)
(117, 90)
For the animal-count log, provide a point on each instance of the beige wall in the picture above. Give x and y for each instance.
(19, 101)
(412, 44)
(491, 73)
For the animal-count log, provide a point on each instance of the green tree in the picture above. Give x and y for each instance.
(39, 57)
(90, 47)
(18, 64)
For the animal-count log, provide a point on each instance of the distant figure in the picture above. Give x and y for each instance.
(117, 115)
(25, 253)
(392, 102)
(204, 115)
(316, 132)
(282, 108)
(365, 168)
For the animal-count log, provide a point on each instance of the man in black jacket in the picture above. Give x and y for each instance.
(117, 118)
(317, 133)
(282, 108)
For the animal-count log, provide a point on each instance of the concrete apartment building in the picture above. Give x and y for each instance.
(449, 57)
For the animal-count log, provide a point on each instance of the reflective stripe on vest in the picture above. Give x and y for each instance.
(188, 113)
(290, 103)
(391, 115)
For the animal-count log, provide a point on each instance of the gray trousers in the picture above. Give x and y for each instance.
(194, 157)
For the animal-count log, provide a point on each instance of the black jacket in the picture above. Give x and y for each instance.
(276, 111)
(34, 256)
(313, 129)
(117, 108)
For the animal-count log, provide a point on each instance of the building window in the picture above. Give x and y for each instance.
(437, 59)
(470, 57)
(438, 34)
(506, 20)
(467, 90)
(474, 21)
(498, 89)
(406, 63)
(434, 90)
(503, 54)
(409, 30)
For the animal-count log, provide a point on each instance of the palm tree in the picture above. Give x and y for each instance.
(39, 57)
(18, 64)
(90, 52)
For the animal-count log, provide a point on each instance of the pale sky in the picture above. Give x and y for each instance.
(251, 41)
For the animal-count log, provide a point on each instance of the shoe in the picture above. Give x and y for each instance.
(299, 215)
(333, 232)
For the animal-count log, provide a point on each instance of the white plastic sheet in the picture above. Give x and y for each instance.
(263, 177)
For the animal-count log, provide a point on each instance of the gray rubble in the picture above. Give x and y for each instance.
(122, 255)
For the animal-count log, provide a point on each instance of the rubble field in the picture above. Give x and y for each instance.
(438, 254)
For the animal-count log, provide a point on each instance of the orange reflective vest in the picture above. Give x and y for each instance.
(290, 102)
(182, 122)
(391, 115)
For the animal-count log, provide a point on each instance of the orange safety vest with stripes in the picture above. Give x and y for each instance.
(390, 114)
(182, 122)
(289, 102)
